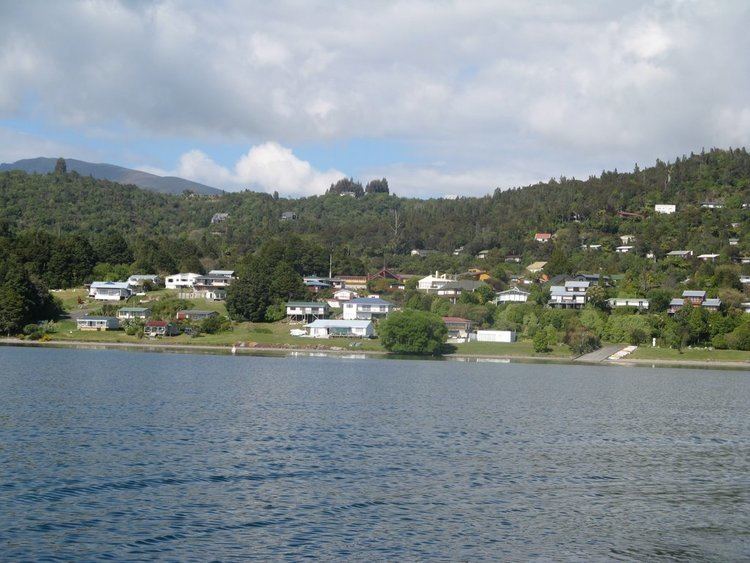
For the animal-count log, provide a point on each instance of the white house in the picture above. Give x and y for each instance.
(137, 280)
(745, 307)
(431, 284)
(665, 208)
(496, 336)
(366, 308)
(627, 239)
(178, 281)
(306, 310)
(712, 204)
(745, 280)
(570, 296)
(734, 241)
(624, 249)
(110, 291)
(131, 313)
(708, 257)
(482, 255)
(637, 302)
(222, 273)
(680, 254)
(97, 323)
(512, 295)
(327, 328)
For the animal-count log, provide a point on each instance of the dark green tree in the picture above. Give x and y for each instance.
(413, 332)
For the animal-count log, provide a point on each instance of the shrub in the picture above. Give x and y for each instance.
(540, 342)
(413, 332)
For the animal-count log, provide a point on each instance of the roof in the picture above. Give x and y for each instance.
(693, 293)
(678, 252)
(157, 323)
(331, 323)
(110, 285)
(714, 302)
(515, 290)
(143, 277)
(307, 304)
(455, 320)
(96, 318)
(221, 273)
(542, 235)
(676, 301)
(197, 312)
(469, 285)
(316, 283)
(709, 255)
(370, 301)
(536, 266)
(134, 309)
(583, 284)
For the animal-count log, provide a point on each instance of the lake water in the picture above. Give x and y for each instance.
(127, 456)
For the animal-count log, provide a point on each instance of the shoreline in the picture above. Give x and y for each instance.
(362, 354)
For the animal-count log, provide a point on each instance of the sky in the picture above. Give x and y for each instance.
(439, 97)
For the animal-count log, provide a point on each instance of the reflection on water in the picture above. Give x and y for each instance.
(109, 454)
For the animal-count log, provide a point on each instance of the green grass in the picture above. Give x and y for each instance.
(688, 354)
(521, 348)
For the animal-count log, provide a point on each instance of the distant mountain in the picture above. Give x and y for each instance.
(119, 174)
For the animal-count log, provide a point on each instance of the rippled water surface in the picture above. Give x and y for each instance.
(122, 455)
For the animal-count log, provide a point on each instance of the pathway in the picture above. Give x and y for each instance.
(601, 354)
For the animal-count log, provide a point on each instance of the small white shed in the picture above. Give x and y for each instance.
(496, 336)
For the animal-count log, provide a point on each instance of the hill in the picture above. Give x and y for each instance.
(119, 174)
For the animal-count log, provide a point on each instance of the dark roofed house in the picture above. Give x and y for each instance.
(307, 311)
(160, 328)
(457, 327)
(195, 315)
(288, 216)
(453, 289)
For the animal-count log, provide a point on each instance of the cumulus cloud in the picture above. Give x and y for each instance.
(268, 167)
(608, 83)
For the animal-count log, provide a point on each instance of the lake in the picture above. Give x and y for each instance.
(128, 456)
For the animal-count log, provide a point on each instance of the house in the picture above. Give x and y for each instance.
(452, 290)
(97, 323)
(640, 303)
(744, 259)
(512, 295)
(327, 328)
(353, 282)
(694, 298)
(137, 280)
(315, 284)
(496, 336)
(624, 249)
(593, 278)
(457, 327)
(422, 253)
(745, 307)
(431, 284)
(219, 218)
(744, 280)
(367, 308)
(734, 241)
(178, 281)
(542, 237)
(458, 251)
(289, 216)
(708, 257)
(132, 313)
(110, 291)
(627, 239)
(306, 310)
(712, 204)
(591, 246)
(572, 295)
(680, 254)
(345, 294)
(482, 255)
(536, 267)
(386, 274)
(513, 258)
(665, 208)
(160, 328)
(195, 315)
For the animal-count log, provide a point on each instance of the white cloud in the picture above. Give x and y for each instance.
(268, 166)
(575, 84)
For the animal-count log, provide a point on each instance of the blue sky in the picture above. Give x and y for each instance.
(440, 98)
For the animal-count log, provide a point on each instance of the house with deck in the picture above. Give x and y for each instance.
(195, 315)
(138, 280)
(180, 281)
(453, 290)
(110, 291)
(512, 295)
(90, 322)
(153, 329)
(307, 311)
(367, 308)
(665, 208)
(458, 328)
(684, 254)
(572, 295)
(640, 303)
(329, 328)
(694, 298)
(431, 283)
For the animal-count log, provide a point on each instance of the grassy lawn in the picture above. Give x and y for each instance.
(69, 297)
(696, 354)
(521, 348)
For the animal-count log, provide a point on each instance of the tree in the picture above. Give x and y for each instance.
(286, 284)
(540, 342)
(12, 311)
(377, 187)
(413, 332)
(581, 340)
(60, 166)
(249, 296)
(597, 297)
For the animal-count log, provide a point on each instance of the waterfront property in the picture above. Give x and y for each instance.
(97, 323)
(110, 291)
(512, 295)
(179, 281)
(306, 311)
(458, 328)
(367, 308)
(570, 296)
(328, 328)
(160, 328)
(195, 315)
(132, 313)
(496, 336)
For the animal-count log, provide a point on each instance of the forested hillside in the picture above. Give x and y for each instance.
(378, 224)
